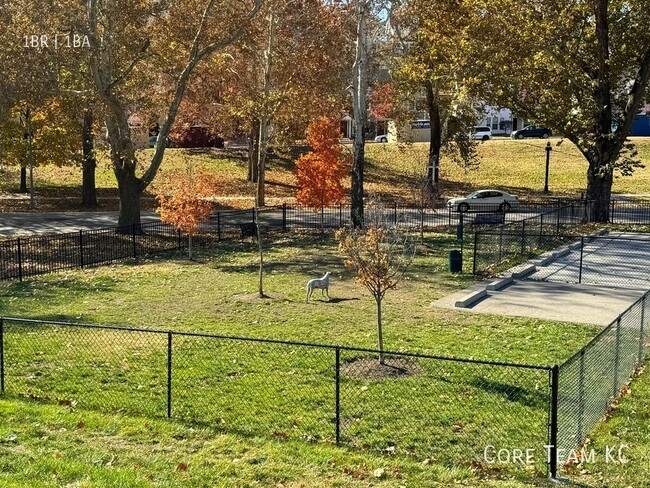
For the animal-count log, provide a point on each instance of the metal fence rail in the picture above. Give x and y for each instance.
(423, 405)
(592, 379)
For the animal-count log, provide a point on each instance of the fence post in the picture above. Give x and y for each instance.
(582, 248)
(474, 253)
(2, 355)
(611, 212)
(572, 213)
(341, 214)
(169, 374)
(395, 213)
(81, 248)
(180, 244)
(642, 331)
(617, 356)
(541, 229)
(557, 228)
(501, 242)
(337, 378)
(523, 237)
(284, 216)
(581, 398)
(555, 380)
(20, 262)
(135, 251)
(218, 225)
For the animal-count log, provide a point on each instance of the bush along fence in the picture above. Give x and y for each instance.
(29, 256)
(592, 379)
(497, 247)
(456, 411)
(444, 408)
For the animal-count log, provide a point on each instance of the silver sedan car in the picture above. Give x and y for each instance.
(484, 200)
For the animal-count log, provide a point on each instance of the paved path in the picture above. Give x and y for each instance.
(29, 223)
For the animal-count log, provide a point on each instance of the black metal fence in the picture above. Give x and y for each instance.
(446, 408)
(29, 256)
(592, 379)
(497, 247)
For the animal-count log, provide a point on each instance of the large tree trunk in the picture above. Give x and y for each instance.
(89, 163)
(360, 108)
(433, 165)
(599, 186)
(253, 152)
(130, 192)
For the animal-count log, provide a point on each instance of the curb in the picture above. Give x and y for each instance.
(470, 299)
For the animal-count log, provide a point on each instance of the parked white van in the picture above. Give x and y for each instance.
(482, 133)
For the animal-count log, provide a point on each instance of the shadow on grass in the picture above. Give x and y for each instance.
(512, 393)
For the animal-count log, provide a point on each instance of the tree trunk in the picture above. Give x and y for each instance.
(260, 194)
(380, 333)
(30, 154)
(433, 166)
(360, 109)
(265, 119)
(260, 289)
(89, 163)
(599, 187)
(130, 193)
(23, 179)
(253, 152)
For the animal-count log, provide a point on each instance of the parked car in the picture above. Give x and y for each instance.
(484, 200)
(381, 138)
(482, 133)
(531, 131)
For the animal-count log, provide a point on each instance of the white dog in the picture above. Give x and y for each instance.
(323, 284)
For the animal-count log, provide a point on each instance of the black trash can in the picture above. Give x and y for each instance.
(455, 261)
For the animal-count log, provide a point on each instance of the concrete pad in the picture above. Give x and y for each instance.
(524, 271)
(566, 302)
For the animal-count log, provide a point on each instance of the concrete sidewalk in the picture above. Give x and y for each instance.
(27, 223)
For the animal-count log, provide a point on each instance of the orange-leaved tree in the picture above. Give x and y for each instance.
(187, 203)
(320, 171)
(380, 253)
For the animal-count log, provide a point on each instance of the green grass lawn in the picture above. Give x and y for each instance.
(262, 405)
(392, 173)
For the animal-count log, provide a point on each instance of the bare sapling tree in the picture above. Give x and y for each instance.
(380, 253)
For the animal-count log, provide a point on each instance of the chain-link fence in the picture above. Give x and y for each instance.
(449, 410)
(591, 380)
(619, 260)
(497, 248)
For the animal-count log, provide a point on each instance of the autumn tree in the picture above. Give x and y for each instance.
(289, 70)
(320, 171)
(580, 68)
(154, 44)
(187, 201)
(380, 254)
(431, 68)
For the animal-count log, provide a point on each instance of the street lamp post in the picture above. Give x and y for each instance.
(548, 157)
